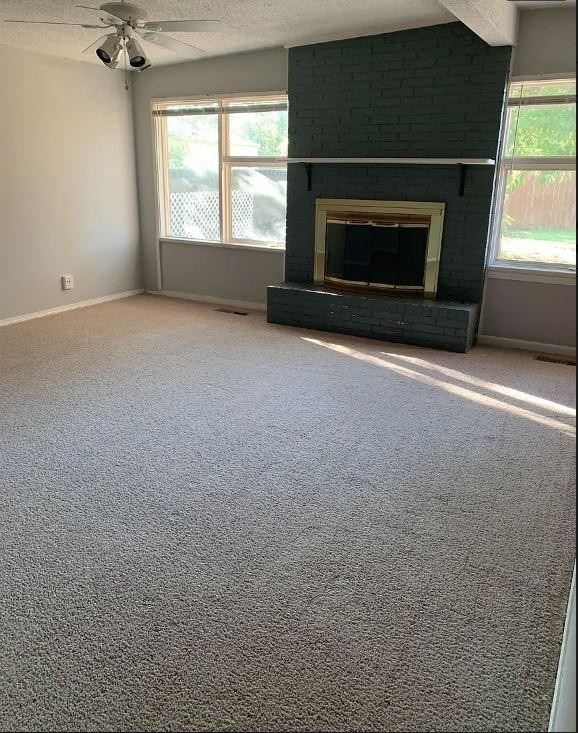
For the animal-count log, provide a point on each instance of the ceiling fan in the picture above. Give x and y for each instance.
(129, 21)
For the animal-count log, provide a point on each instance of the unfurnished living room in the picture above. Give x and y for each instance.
(287, 365)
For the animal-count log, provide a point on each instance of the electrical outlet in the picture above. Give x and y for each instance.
(67, 282)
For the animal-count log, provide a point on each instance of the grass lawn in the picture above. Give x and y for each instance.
(539, 245)
(543, 235)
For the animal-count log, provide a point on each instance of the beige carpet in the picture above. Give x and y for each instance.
(210, 523)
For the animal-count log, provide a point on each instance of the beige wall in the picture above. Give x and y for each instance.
(530, 311)
(67, 192)
(537, 311)
(191, 268)
(546, 42)
(230, 273)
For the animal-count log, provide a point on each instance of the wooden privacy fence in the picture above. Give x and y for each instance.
(541, 204)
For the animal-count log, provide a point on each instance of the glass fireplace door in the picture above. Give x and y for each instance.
(373, 254)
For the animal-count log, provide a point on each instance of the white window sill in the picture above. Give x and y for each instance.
(526, 273)
(221, 245)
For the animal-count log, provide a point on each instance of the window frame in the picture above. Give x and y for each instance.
(226, 164)
(526, 163)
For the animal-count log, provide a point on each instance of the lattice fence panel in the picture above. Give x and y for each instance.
(243, 213)
(195, 214)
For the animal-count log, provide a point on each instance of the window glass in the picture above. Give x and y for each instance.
(539, 217)
(259, 203)
(556, 88)
(193, 176)
(215, 183)
(547, 129)
(257, 134)
(537, 213)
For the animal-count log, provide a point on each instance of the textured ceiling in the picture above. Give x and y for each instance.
(539, 4)
(250, 24)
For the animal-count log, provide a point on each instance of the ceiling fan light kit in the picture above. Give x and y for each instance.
(109, 51)
(127, 20)
(136, 56)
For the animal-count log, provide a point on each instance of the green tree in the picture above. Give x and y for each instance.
(185, 131)
(178, 148)
(541, 130)
(269, 131)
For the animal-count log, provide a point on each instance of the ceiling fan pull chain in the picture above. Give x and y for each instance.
(125, 54)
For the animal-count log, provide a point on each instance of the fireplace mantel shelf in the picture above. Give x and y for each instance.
(462, 164)
(399, 161)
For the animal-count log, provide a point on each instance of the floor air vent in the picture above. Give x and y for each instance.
(568, 361)
(232, 311)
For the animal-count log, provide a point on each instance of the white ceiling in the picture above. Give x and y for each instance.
(251, 24)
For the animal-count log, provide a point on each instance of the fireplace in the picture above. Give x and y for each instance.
(379, 246)
(371, 140)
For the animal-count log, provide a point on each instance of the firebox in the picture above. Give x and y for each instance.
(382, 246)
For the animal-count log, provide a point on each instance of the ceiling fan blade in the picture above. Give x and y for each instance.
(186, 26)
(179, 47)
(49, 22)
(103, 14)
(94, 46)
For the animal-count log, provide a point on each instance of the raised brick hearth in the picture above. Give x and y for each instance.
(437, 324)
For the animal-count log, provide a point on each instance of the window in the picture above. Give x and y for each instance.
(222, 169)
(536, 213)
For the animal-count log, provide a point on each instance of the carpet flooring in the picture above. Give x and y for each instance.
(209, 523)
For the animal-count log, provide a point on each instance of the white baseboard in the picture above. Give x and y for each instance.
(68, 307)
(563, 715)
(249, 305)
(507, 343)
